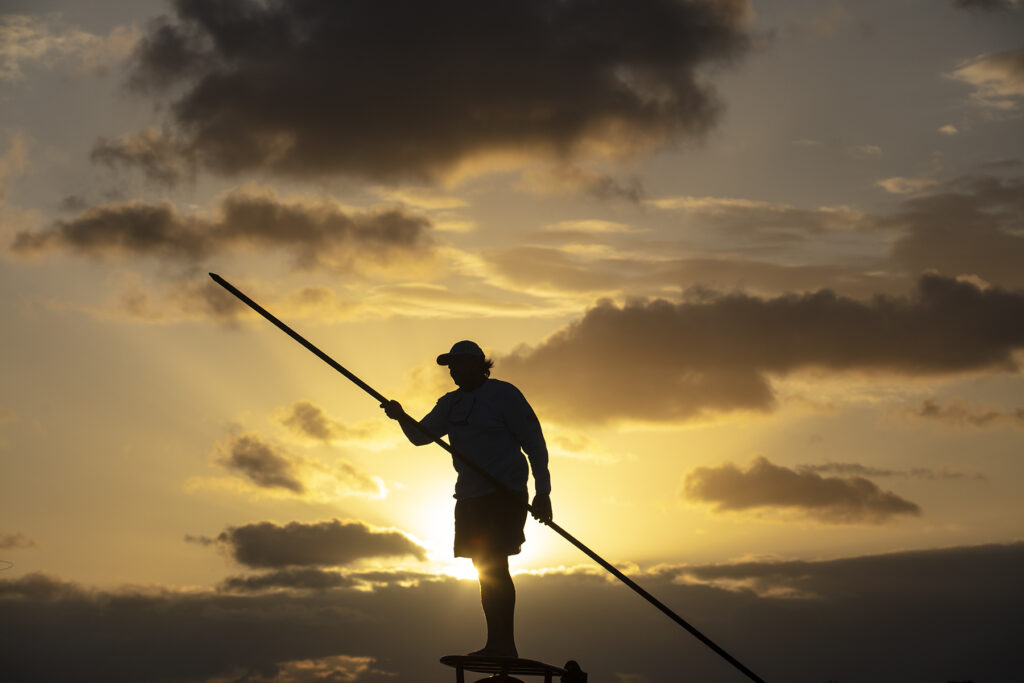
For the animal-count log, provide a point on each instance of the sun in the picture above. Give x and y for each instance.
(459, 568)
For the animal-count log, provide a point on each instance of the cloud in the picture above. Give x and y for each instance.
(867, 577)
(901, 185)
(314, 579)
(301, 89)
(248, 455)
(302, 578)
(749, 217)
(960, 414)
(862, 152)
(660, 360)
(584, 265)
(44, 40)
(319, 544)
(340, 669)
(998, 79)
(856, 469)
(575, 444)
(16, 541)
(270, 468)
(589, 226)
(194, 296)
(181, 637)
(160, 157)
(567, 179)
(421, 198)
(756, 610)
(310, 420)
(948, 129)
(986, 5)
(765, 486)
(317, 233)
(968, 226)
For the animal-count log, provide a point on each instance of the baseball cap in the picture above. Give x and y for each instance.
(461, 348)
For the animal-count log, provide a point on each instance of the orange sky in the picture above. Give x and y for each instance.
(757, 266)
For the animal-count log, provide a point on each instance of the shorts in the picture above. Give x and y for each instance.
(490, 525)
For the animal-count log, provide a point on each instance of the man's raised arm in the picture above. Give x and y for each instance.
(417, 437)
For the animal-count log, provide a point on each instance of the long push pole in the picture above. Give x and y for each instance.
(443, 444)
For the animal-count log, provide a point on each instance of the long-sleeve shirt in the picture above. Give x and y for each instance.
(493, 426)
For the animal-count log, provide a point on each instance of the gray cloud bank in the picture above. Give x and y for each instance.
(317, 544)
(763, 485)
(412, 89)
(315, 579)
(660, 360)
(944, 615)
(315, 233)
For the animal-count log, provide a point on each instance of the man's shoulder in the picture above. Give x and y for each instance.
(446, 400)
(503, 391)
(500, 386)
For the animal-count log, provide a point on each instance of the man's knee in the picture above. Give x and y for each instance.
(491, 567)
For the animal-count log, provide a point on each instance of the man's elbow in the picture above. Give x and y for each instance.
(417, 437)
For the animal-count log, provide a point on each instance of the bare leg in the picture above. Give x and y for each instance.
(498, 597)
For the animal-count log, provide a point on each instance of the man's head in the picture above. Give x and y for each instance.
(467, 364)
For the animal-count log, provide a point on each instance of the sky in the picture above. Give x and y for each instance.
(756, 265)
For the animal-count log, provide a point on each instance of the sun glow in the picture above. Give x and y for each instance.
(459, 568)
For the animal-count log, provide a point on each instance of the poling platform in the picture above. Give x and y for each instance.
(502, 669)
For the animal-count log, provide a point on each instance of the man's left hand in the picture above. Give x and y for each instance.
(541, 507)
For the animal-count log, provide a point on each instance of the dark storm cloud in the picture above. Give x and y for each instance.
(967, 599)
(413, 89)
(659, 360)
(969, 226)
(329, 543)
(262, 463)
(763, 485)
(960, 414)
(15, 541)
(315, 233)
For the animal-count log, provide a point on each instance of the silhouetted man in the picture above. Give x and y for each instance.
(490, 422)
